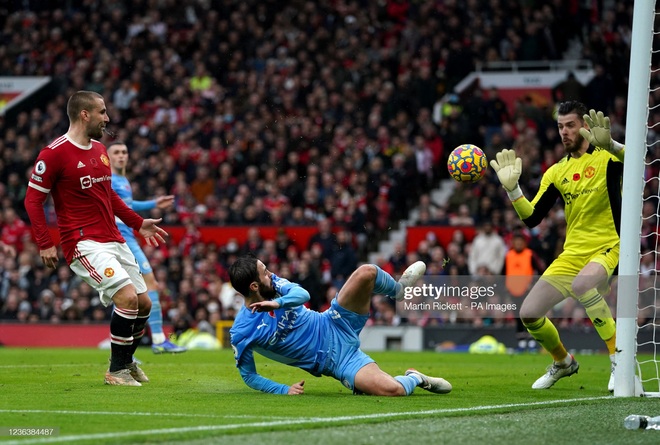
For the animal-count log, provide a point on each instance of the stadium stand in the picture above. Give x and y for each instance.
(283, 114)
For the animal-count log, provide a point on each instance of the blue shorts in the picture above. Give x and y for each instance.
(345, 358)
(140, 257)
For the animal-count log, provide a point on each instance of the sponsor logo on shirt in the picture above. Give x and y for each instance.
(36, 178)
(88, 181)
(569, 197)
(284, 326)
(80, 164)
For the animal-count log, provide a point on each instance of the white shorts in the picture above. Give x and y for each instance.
(107, 267)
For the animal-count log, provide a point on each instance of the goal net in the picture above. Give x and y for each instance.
(638, 292)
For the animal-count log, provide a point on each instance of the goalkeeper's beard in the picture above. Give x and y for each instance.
(576, 145)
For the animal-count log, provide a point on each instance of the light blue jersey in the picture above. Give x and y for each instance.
(320, 343)
(122, 186)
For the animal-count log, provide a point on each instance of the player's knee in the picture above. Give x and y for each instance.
(144, 305)
(528, 315)
(580, 287)
(366, 272)
(126, 298)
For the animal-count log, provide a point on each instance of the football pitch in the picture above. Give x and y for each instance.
(199, 398)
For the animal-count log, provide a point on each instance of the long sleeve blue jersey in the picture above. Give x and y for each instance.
(292, 334)
(122, 186)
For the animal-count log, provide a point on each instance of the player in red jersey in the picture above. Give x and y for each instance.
(75, 170)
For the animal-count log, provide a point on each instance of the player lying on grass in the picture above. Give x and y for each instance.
(588, 179)
(274, 323)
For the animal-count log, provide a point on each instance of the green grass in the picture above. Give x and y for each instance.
(199, 398)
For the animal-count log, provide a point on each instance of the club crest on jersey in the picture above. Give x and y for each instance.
(40, 168)
(589, 172)
(109, 272)
(105, 160)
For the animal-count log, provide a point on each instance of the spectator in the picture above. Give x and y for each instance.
(488, 250)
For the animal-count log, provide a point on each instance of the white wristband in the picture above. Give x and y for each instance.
(515, 194)
(616, 146)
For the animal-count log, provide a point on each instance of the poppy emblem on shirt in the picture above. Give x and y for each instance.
(109, 272)
(576, 176)
(589, 172)
(105, 160)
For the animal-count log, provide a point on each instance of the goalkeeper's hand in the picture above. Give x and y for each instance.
(599, 133)
(508, 168)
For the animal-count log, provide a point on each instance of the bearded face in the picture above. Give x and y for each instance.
(266, 291)
(573, 145)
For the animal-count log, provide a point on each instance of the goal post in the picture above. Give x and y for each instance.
(633, 186)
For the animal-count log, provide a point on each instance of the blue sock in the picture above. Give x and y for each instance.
(385, 284)
(156, 316)
(408, 382)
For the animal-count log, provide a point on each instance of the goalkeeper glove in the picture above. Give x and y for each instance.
(280, 285)
(508, 168)
(599, 133)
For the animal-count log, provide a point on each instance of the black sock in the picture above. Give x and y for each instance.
(138, 332)
(121, 338)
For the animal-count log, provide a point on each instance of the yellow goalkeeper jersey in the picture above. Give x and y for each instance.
(591, 189)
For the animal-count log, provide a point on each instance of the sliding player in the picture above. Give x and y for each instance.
(274, 323)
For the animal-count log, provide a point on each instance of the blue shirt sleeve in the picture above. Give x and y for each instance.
(294, 296)
(252, 379)
(139, 206)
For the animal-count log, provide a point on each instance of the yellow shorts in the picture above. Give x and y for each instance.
(564, 269)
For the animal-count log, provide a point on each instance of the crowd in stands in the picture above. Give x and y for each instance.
(270, 112)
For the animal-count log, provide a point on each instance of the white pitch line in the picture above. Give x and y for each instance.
(118, 435)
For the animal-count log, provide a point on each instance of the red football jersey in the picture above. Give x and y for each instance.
(79, 180)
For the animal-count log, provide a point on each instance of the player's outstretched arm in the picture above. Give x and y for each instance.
(164, 202)
(248, 371)
(599, 133)
(152, 233)
(508, 167)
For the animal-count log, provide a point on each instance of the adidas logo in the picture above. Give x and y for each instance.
(80, 164)
(565, 181)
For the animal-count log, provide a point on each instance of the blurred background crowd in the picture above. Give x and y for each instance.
(297, 113)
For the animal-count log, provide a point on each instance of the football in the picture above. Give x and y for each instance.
(467, 163)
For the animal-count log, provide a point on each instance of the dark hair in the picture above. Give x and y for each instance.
(243, 272)
(81, 100)
(572, 106)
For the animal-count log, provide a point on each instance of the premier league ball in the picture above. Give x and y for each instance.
(467, 163)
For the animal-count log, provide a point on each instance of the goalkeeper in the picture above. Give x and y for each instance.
(588, 179)
(274, 323)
